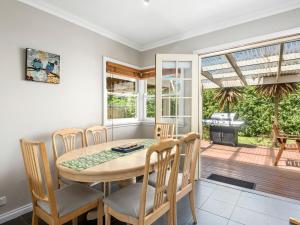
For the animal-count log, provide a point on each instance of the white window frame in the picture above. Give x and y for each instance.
(145, 97)
(141, 116)
(106, 121)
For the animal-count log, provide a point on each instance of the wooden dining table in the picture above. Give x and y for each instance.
(124, 168)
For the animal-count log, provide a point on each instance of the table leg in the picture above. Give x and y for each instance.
(282, 142)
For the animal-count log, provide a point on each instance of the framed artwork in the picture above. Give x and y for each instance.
(42, 66)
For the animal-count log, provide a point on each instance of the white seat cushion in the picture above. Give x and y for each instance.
(127, 200)
(152, 179)
(71, 197)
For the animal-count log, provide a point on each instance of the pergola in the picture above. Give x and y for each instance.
(268, 62)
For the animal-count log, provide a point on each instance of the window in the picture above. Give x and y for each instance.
(149, 97)
(121, 97)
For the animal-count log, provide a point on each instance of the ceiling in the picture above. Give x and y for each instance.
(162, 21)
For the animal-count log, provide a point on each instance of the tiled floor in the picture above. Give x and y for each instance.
(220, 204)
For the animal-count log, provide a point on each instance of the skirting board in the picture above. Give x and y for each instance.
(15, 213)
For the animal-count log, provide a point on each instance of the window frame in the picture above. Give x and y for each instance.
(145, 98)
(141, 105)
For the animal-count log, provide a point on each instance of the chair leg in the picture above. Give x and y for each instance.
(170, 216)
(282, 147)
(107, 216)
(75, 221)
(35, 219)
(100, 213)
(192, 204)
(294, 221)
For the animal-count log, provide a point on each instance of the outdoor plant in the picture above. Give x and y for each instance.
(277, 92)
(228, 97)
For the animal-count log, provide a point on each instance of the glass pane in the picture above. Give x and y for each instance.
(168, 87)
(121, 107)
(184, 125)
(169, 69)
(184, 106)
(168, 120)
(151, 86)
(185, 69)
(184, 88)
(169, 106)
(120, 85)
(150, 110)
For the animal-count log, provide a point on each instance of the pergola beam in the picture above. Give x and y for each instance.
(236, 68)
(210, 77)
(280, 61)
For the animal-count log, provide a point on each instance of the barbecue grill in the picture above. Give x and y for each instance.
(223, 128)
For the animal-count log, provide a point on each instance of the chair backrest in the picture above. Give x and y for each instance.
(69, 139)
(164, 131)
(190, 146)
(164, 152)
(38, 172)
(98, 134)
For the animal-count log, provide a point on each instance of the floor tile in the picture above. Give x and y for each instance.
(218, 207)
(202, 194)
(226, 194)
(234, 223)
(206, 218)
(283, 209)
(253, 202)
(248, 217)
(276, 221)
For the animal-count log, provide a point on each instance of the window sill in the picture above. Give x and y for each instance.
(128, 122)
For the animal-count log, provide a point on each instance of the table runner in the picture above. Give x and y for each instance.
(85, 162)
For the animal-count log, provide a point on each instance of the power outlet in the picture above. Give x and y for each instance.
(3, 200)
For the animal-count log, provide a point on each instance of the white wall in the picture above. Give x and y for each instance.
(261, 27)
(34, 110)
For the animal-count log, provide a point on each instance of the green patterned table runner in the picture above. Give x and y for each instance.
(85, 162)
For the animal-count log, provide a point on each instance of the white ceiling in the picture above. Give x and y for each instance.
(162, 21)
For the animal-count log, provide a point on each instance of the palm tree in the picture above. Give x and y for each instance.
(277, 91)
(228, 96)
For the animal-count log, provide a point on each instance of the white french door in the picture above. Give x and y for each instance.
(177, 91)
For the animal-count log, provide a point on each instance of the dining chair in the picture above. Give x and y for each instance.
(59, 206)
(190, 147)
(69, 138)
(98, 134)
(140, 203)
(164, 130)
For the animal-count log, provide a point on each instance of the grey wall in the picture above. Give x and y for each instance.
(268, 25)
(34, 110)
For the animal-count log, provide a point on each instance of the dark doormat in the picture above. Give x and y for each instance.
(232, 181)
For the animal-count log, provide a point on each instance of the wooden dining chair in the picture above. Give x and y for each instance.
(140, 203)
(59, 206)
(190, 147)
(282, 140)
(69, 138)
(98, 134)
(164, 131)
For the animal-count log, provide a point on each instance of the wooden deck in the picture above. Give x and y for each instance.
(254, 164)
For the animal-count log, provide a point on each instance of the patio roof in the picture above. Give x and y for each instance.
(274, 61)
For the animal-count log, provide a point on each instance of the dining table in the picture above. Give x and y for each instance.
(98, 163)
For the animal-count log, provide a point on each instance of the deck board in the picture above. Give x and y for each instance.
(269, 179)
